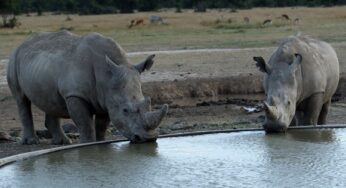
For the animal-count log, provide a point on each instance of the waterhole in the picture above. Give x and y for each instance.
(299, 158)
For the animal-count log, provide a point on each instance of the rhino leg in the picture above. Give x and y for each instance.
(24, 106)
(81, 114)
(322, 119)
(101, 124)
(298, 118)
(53, 125)
(313, 108)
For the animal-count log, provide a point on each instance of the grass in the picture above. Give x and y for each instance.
(189, 30)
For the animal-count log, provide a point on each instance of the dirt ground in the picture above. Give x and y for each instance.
(205, 90)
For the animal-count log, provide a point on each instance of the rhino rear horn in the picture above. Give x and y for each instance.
(153, 119)
(145, 106)
(271, 111)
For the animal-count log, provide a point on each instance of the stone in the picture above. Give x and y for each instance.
(70, 128)
(4, 137)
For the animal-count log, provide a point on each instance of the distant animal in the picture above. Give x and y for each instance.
(246, 20)
(86, 78)
(136, 22)
(156, 19)
(300, 79)
(68, 18)
(285, 16)
(267, 22)
(296, 21)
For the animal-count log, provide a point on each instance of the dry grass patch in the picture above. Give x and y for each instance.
(189, 30)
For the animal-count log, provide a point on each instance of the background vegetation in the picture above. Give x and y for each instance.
(129, 6)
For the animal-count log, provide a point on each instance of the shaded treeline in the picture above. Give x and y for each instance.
(128, 6)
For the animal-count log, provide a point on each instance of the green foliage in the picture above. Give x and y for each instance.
(128, 6)
(8, 10)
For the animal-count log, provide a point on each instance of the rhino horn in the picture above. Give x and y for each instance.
(271, 111)
(153, 119)
(146, 104)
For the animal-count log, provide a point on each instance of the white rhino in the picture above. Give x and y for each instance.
(301, 77)
(79, 77)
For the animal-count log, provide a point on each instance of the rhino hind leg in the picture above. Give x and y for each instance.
(101, 124)
(322, 119)
(24, 107)
(313, 108)
(81, 114)
(53, 125)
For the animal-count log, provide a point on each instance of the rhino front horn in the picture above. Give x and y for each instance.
(271, 111)
(153, 119)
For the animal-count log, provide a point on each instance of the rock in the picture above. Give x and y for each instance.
(15, 132)
(43, 134)
(70, 128)
(5, 137)
(73, 135)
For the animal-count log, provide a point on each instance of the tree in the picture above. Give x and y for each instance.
(147, 5)
(127, 6)
(7, 10)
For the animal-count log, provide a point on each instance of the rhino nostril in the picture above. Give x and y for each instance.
(137, 138)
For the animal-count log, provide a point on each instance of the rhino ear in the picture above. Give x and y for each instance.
(111, 63)
(296, 62)
(145, 65)
(262, 65)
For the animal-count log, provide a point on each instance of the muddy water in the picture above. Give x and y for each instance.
(301, 158)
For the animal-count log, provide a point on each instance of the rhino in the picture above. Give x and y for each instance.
(86, 78)
(300, 79)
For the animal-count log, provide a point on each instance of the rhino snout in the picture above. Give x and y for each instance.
(141, 139)
(275, 127)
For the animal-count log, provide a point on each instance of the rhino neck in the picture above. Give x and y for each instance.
(101, 87)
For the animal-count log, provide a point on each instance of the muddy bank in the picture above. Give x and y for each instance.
(249, 84)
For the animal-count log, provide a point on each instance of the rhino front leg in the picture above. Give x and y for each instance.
(313, 108)
(322, 119)
(24, 107)
(80, 112)
(53, 125)
(101, 124)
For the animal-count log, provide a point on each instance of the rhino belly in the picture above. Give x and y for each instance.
(48, 101)
(40, 86)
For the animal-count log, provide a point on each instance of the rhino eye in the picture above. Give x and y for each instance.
(126, 111)
(289, 102)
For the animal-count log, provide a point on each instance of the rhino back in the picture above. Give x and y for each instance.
(51, 67)
(319, 67)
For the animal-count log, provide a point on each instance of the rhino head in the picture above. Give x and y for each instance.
(281, 88)
(128, 109)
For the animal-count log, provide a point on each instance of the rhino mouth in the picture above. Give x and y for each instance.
(136, 139)
(274, 128)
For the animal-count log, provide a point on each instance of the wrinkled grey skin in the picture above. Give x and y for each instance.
(300, 79)
(68, 76)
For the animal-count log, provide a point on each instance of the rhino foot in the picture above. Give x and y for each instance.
(30, 140)
(63, 140)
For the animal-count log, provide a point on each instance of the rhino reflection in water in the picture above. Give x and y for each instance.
(300, 79)
(78, 77)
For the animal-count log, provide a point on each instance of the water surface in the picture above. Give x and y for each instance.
(300, 158)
